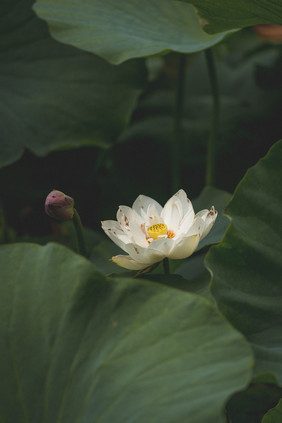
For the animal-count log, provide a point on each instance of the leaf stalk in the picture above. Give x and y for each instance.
(176, 146)
(215, 119)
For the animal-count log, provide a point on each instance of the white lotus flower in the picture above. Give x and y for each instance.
(148, 232)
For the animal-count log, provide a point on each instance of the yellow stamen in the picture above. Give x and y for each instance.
(170, 234)
(155, 231)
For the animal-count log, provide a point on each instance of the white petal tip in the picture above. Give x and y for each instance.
(128, 263)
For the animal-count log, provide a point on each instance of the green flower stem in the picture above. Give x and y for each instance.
(215, 119)
(79, 234)
(177, 125)
(3, 227)
(166, 265)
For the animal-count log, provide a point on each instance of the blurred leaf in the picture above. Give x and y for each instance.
(224, 15)
(249, 406)
(265, 378)
(196, 276)
(55, 96)
(190, 276)
(247, 266)
(192, 268)
(78, 347)
(118, 31)
(274, 415)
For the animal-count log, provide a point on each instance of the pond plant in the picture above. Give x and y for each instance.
(172, 313)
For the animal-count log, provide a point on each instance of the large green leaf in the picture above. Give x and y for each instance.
(53, 95)
(121, 30)
(222, 15)
(79, 347)
(247, 265)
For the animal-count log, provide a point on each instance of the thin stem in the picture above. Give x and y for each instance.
(3, 227)
(166, 265)
(177, 125)
(228, 420)
(79, 234)
(215, 119)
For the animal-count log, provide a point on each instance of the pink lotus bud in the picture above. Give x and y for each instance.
(59, 205)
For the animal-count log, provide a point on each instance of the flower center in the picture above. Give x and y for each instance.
(157, 230)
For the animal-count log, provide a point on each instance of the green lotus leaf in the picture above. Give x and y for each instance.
(222, 15)
(77, 346)
(55, 96)
(247, 266)
(118, 31)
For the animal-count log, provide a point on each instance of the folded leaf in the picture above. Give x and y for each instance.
(118, 31)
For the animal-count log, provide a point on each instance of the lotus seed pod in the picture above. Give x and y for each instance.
(59, 205)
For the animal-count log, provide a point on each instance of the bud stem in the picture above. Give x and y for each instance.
(166, 266)
(79, 234)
